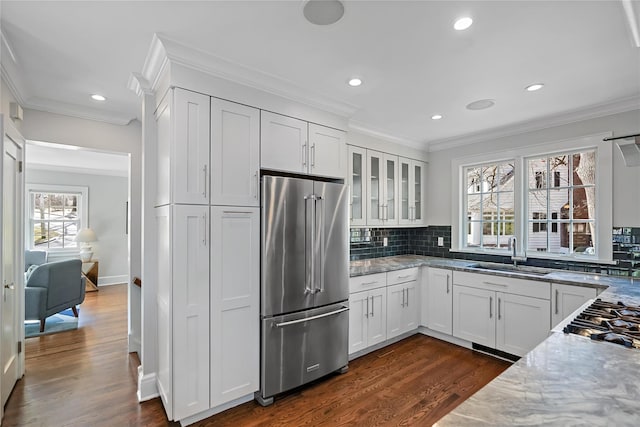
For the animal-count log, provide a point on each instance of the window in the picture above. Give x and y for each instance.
(540, 181)
(539, 226)
(489, 205)
(556, 179)
(55, 215)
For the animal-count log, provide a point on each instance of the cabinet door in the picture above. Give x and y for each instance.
(283, 143)
(190, 291)
(235, 154)
(327, 151)
(377, 320)
(358, 315)
(439, 301)
(375, 189)
(357, 185)
(395, 309)
(522, 323)
(391, 178)
(405, 199)
(474, 315)
(411, 312)
(190, 148)
(235, 287)
(566, 299)
(418, 177)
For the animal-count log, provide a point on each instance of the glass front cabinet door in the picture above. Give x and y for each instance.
(412, 176)
(357, 185)
(382, 188)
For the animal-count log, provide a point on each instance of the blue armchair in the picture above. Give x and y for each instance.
(53, 287)
(34, 258)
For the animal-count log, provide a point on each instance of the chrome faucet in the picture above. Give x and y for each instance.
(512, 242)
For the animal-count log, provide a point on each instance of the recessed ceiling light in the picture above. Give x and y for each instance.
(323, 12)
(463, 23)
(534, 87)
(436, 117)
(481, 104)
(355, 82)
(97, 97)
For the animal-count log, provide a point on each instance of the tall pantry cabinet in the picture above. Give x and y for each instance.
(207, 226)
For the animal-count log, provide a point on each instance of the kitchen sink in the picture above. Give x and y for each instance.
(520, 269)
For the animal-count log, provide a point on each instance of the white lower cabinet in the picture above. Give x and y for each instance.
(367, 319)
(565, 299)
(437, 299)
(511, 323)
(402, 308)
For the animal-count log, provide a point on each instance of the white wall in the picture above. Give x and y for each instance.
(626, 180)
(107, 198)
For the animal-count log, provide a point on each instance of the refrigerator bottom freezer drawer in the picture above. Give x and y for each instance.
(301, 347)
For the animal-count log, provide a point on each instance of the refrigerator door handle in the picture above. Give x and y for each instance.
(319, 207)
(306, 319)
(309, 230)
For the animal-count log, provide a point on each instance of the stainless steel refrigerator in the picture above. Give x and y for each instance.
(304, 283)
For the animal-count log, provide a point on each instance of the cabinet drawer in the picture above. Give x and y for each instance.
(529, 288)
(402, 276)
(370, 281)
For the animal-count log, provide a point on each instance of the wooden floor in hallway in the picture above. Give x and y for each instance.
(86, 378)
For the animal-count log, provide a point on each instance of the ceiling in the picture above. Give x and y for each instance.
(70, 159)
(412, 62)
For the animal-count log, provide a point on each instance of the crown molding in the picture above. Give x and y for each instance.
(138, 84)
(164, 50)
(78, 111)
(600, 110)
(9, 71)
(632, 20)
(365, 129)
(80, 170)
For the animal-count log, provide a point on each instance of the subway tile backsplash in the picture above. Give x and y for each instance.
(369, 243)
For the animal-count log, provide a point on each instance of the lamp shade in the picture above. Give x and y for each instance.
(86, 235)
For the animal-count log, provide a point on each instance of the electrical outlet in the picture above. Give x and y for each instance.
(385, 241)
(440, 241)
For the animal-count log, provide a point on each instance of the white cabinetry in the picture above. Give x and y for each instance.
(292, 145)
(437, 299)
(182, 119)
(402, 308)
(357, 185)
(367, 318)
(508, 314)
(565, 299)
(382, 189)
(183, 309)
(235, 287)
(412, 192)
(235, 154)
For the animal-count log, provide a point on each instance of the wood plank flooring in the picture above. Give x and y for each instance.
(86, 378)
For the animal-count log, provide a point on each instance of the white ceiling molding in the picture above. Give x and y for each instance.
(81, 112)
(165, 50)
(606, 109)
(6, 44)
(632, 20)
(10, 72)
(138, 84)
(71, 169)
(365, 129)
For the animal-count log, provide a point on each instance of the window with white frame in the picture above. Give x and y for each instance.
(557, 203)
(489, 204)
(55, 215)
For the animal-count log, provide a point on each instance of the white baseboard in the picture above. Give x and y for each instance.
(135, 346)
(444, 337)
(147, 388)
(113, 280)
(209, 412)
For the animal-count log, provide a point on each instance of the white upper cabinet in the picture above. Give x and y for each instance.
(357, 185)
(189, 148)
(292, 145)
(382, 188)
(235, 154)
(284, 144)
(412, 189)
(327, 151)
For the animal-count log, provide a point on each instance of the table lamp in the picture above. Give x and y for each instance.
(86, 236)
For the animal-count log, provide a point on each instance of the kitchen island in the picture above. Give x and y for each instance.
(566, 380)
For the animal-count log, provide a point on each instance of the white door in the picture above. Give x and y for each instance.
(390, 183)
(395, 309)
(474, 315)
(418, 178)
(377, 320)
(235, 312)
(411, 313)
(405, 199)
(11, 214)
(522, 323)
(375, 189)
(190, 148)
(328, 151)
(566, 299)
(283, 143)
(358, 315)
(235, 154)
(438, 314)
(357, 185)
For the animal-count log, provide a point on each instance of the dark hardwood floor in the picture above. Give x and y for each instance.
(86, 378)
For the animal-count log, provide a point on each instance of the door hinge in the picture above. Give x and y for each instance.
(20, 166)
(19, 347)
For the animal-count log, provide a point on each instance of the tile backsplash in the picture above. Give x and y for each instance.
(369, 243)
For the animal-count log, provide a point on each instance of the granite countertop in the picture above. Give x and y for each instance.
(566, 380)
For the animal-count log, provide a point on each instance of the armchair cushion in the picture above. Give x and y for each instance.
(34, 258)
